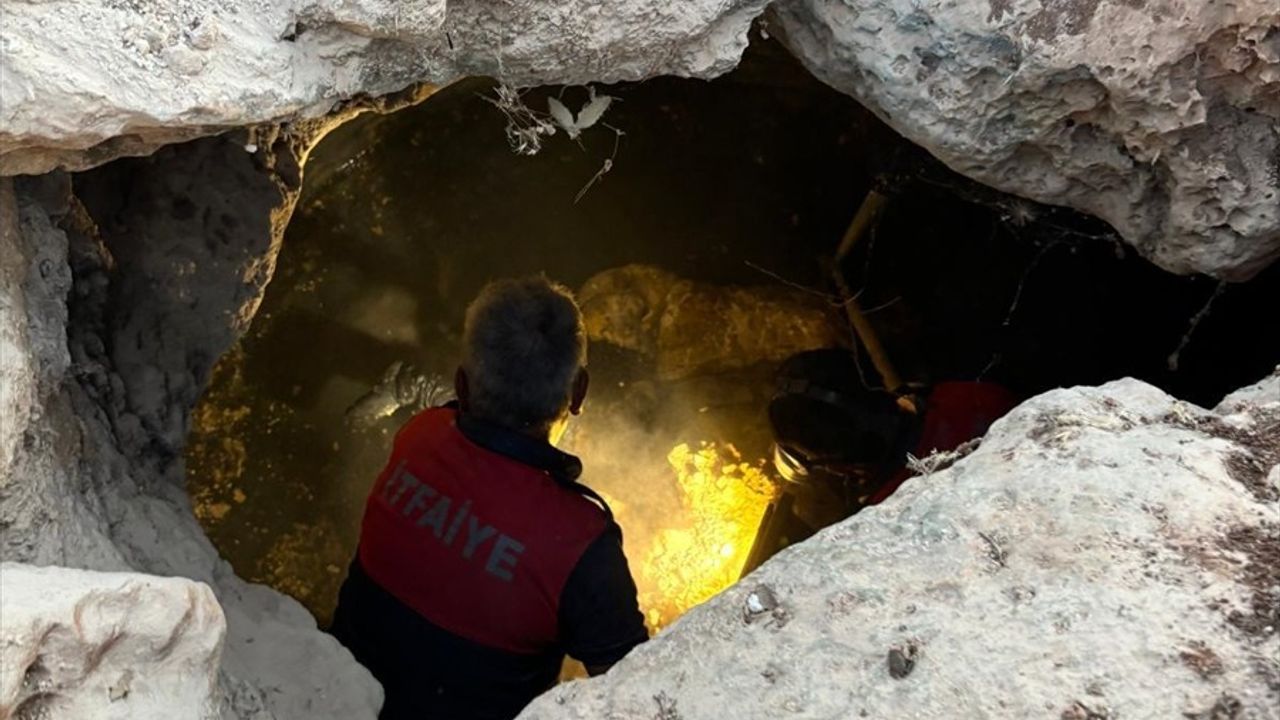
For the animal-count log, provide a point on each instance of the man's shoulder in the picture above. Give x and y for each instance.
(579, 506)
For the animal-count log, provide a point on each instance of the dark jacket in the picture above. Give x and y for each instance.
(482, 563)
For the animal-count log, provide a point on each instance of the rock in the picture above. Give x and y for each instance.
(107, 336)
(1137, 578)
(1263, 392)
(624, 306)
(1158, 116)
(108, 646)
(902, 660)
(693, 328)
(85, 82)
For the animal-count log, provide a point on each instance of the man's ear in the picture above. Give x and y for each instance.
(461, 388)
(580, 384)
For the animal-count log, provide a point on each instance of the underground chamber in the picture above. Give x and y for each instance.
(701, 225)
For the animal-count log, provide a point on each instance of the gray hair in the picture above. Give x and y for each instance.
(523, 344)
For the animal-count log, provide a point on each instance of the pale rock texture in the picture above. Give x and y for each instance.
(1158, 116)
(690, 328)
(1106, 552)
(118, 295)
(1161, 117)
(87, 81)
(108, 646)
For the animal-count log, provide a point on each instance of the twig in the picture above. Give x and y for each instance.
(1195, 323)
(857, 362)
(604, 169)
(997, 356)
(881, 306)
(866, 217)
(995, 360)
(994, 551)
(606, 166)
(835, 301)
(525, 127)
(666, 707)
(1022, 282)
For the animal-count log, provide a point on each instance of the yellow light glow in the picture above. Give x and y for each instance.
(725, 500)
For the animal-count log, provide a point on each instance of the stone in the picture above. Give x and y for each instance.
(691, 328)
(107, 336)
(1137, 577)
(86, 82)
(108, 646)
(1158, 116)
(1161, 117)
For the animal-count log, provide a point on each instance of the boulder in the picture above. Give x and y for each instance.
(1158, 116)
(109, 646)
(691, 328)
(1105, 552)
(85, 82)
(107, 336)
(1161, 117)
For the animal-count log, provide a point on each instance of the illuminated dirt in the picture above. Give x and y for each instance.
(724, 500)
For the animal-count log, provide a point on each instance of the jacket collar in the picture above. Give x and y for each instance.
(562, 466)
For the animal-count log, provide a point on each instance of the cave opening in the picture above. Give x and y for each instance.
(716, 206)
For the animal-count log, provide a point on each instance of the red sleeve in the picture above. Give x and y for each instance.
(958, 412)
(955, 413)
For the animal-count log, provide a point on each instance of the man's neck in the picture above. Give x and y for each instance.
(536, 432)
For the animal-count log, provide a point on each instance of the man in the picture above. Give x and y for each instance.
(482, 561)
(842, 447)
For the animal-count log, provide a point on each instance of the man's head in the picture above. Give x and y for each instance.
(524, 356)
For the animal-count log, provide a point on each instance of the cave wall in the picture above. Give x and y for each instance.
(121, 290)
(1159, 116)
(87, 82)
(108, 646)
(1162, 117)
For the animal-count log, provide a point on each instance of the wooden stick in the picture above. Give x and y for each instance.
(864, 220)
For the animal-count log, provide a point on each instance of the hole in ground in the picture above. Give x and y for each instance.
(747, 181)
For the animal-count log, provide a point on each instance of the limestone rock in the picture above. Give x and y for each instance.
(1263, 392)
(1161, 117)
(107, 336)
(108, 646)
(1105, 552)
(693, 328)
(85, 82)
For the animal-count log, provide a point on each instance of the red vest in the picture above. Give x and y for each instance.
(955, 413)
(476, 542)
